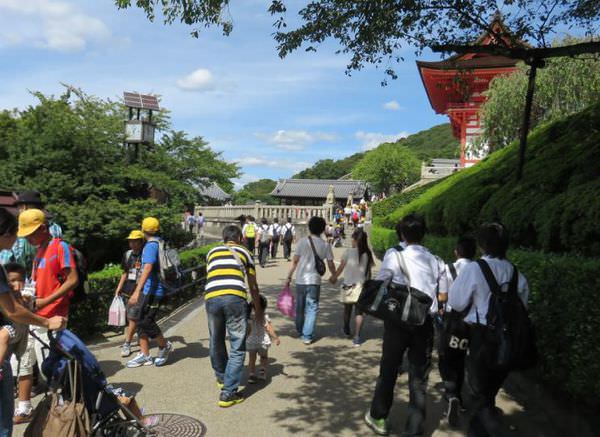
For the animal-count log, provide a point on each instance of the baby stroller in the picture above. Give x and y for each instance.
(108, 415)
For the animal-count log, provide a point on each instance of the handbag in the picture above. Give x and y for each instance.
(61, 417)
(319, 264)
(400, 304)
(349, 294)
(117, 313)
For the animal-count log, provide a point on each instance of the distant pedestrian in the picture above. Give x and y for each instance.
(289, 236)
(311, 252)
(250, 234)
(148, 294)
(264, 242)
(276, 229)
(356, 265)
(200, 221)
(260, 335)
(230, 273)
(132, 269)
(190, 221)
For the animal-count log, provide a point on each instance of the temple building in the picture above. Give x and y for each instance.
(455, 87)
(314, 192)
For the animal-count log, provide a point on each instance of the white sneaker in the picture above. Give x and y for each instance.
(125, 350)
(140, 360)
(163, 354)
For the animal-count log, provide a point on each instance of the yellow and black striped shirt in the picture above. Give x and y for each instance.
(224, 273)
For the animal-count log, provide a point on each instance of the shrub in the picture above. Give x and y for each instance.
(89, 317)
(555, 207)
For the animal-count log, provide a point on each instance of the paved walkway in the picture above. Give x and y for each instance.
(317, 390)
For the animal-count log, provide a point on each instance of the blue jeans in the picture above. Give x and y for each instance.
(227, 314)
(7, 403)
(307, 307)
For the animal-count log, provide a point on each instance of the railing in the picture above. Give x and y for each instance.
(296, 212)
(432, 172)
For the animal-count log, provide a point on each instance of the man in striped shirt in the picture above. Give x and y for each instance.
(230, 273)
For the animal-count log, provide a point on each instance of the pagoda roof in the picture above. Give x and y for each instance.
(319, 188)
(458, 63)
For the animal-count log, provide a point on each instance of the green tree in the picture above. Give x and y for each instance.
(565, 86)
(330, 169)
(70, 148)
(388, 168)
(257, 190)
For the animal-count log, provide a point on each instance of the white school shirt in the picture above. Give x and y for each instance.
(427, 272)
(307, 274)
(471, 286)
(264, 228)
(459, 266)
(276, 228)
(355, 271)
(286, 227)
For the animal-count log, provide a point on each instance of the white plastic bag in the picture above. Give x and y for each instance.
(117, 312)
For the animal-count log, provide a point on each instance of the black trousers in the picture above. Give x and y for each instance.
(418, 340)
(483, 383)
(250, 245)
(452, 351)
(287, 249)
(263, 253)
(274, 247)
(149, 307)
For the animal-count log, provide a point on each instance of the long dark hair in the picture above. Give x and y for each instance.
(362, 244)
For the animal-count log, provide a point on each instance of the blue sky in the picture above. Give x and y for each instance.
(273, 116)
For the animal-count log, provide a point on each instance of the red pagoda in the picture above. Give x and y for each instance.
(455, 87)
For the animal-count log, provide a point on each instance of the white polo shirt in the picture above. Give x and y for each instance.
(427, 271)
(471, 286)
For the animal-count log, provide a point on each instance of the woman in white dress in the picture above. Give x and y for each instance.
(356, 265)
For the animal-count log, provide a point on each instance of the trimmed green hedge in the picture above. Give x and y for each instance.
(386, 206)
(89, 318)
(563, 308)
(555, 207)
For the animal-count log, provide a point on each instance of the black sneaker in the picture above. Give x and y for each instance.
(228, 400)
(453, 411)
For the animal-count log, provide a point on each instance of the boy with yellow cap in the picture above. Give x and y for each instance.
(132, 268)
(149, 292)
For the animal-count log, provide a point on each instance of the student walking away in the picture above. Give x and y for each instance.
(264, 242)
(148, 294)
(258, 342)
(289, 235)
(494, 294)
(11, 311)
(413, 268)
(312, 253)
(132, 269)
(356, 265)
(230, 273)
(276, 237)
(200, 224)
(453, 339)
(250, 233)
(54, 272)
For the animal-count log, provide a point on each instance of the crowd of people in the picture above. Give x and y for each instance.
(40, 277)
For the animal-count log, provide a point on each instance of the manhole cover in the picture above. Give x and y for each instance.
(178, 425)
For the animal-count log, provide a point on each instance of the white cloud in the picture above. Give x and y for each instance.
(253, 161)
(55, 25)
(392, 105)
(370, 140)
(295, 140)
(199, 80)
(244, 179)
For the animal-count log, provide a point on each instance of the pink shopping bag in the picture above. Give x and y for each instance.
(286, 303)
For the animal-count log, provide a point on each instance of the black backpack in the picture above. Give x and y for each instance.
(80, 293)
(510, 336)
(288, 235)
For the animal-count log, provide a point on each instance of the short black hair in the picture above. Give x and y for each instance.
(264, 221)
(232, 233)
(8, 223)
(493, 239)
(275, 220)
(316, 225)
(411, 228)
(289, 220)
(15, 268)
(249, 217)
(466, 247)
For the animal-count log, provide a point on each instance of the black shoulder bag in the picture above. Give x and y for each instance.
(319, 264)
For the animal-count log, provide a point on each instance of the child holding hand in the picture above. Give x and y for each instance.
(258, 342)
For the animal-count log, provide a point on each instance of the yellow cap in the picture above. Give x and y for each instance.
(135, 235)
(29, 221)
(150, 225)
